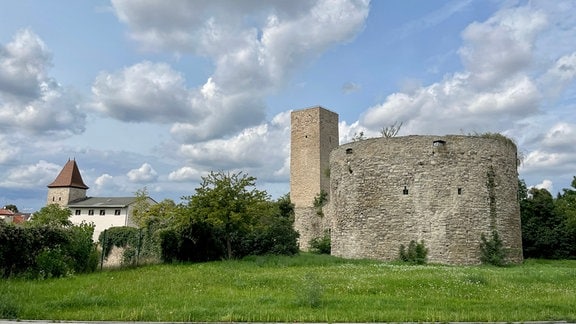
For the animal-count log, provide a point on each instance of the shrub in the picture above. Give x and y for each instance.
(321, 245)
(492, 250)
(416, 253)
(44, 251)
(170, 241)
(52, 263)
(320, 200)
(310, 292)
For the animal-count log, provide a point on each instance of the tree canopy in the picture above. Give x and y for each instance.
(547, 223)
(229, 202)
(52, 215)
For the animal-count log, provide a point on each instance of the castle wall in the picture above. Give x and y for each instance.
(446, 190)
(314, 134)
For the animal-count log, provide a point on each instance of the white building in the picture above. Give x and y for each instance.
(68, 190)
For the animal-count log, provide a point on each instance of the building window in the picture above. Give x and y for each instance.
(90, 211)
(77, 212)
(102, 212)
(405, 191)
(459, 191)
(349, 151)
(117, 212)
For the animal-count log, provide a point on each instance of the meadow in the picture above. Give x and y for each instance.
(304, 288)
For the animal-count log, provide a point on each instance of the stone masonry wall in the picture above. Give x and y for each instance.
(62, 196)
(445, 190)
(314, 134)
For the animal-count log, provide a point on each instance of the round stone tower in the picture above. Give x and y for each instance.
(447, 191)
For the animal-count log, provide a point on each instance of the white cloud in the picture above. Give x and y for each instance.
(501, 46)
(184, 174)
(491, 94)
(540, 161)
(106, 185)
(545, 184)
(560, 75)
(261, 150)
(8, 149)
(30, 101)
(255, 47)
(23, 65)
(146, 91)
(561, 137)
(30, 176)
(144, 173)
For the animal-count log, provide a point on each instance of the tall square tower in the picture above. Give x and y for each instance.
(314, 134)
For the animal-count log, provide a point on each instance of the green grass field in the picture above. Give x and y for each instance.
(305, 288)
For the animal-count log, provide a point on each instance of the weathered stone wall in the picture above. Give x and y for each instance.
(314, 134)
(310, 225)
(445, 190)
(62, 196)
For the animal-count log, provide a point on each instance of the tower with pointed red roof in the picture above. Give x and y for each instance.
(68, 186)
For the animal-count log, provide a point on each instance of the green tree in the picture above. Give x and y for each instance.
(11, 207)
(522, 190)
(146, 213)
(141, 208)
(229, 203)
(565, 205)
(51, 215)
(544, 232)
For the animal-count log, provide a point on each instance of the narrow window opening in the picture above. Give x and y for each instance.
(77, 212)
(91, 212)
(459, 191)
(405, 191)
(102, 212)
(59, 198)
(117, 212)
(438, 143)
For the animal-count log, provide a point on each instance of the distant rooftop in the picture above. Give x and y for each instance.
(103, 202)
(69, 177)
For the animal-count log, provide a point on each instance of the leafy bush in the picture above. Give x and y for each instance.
(44, 251)
(321, 245)
(320, 200)
(82, 249)
(52, 263)
(170, 241)
(417, 253)
(492, 250)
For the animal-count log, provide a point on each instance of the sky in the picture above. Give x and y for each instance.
(156, 94)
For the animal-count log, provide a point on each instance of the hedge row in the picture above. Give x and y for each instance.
(46, 251)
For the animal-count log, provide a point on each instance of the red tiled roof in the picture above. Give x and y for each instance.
(69, 177)
(6, 212)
